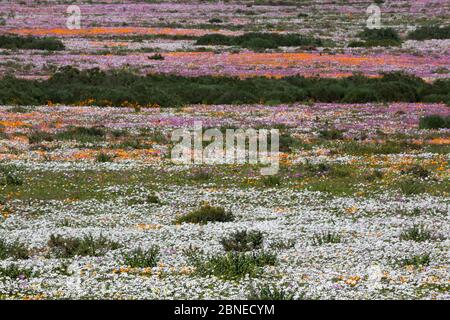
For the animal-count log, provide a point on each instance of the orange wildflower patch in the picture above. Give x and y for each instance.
(115, 31)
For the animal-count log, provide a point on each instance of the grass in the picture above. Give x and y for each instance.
(430, 32)
(243, 241)
(205, 214)
(87, 246)
(15, 250)
(231, 266)
(140, 258)
(417, 233)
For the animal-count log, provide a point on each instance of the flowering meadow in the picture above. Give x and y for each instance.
(93, 207)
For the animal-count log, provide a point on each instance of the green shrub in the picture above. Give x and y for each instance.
(417, 261)
(434, 122)
(87, 246)
(269, 292)
(10, 175)
(331, 134)
(205, 214)
(379, 34)
(156, 56)
(15, 250)
(104, 157)
(140, 258)
(14, 272)
(326, 237)
(82, 134)
(416, 233)
(39, 136)
(271, 181)
(233, 265)
(17, 42)
(258, 41)
(243, 241)
(416, 170)
(430, 32)
(411, 187)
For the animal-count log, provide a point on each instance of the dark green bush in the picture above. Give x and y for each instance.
(71, 86)
(70, 247)
(416, 233)
(140, 258)
(326, 237)
(17, 42)
(258, 41)
(10, 175)
(14, 272)
(434, 122)
(243, 241)
(231, 266)
(417, 261)
(15, 250)
(269, 292)
(205, 214)
(430, 32)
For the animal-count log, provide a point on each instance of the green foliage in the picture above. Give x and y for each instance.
(416, 170)
(104, 157)
(87, 246)
(156, 56)
(16, 42)
(39, 136)
(269, 292)
(411, 186)
(417, 261)
(15, 250)
(231, 266)
(384, 37)
(258, 41)
(416, 233)
(243, 241)
(430, 32)
(140, 258)
(14, 272)
(326, 237)
(331, 134)
(10, 175)
(271, 181)
(434, 122)
(82, 134)
(71, 86)
(205, 214)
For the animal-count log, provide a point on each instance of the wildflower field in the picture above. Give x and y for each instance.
(92, 205)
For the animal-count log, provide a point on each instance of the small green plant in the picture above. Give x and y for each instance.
(156, 56)
(430, 32)
(416, 233)
(153, 198)
(271, 181)
(331, 134)
(205, 214)
(140, 258)
(231, 266)
(27, 43)
(243, 241)
(416, 170)
(15, 250)
(417, 261)
(87, 246)
(82, 134)
(15, 272)
(326, 237)
(269, 292)
(104, 157)
(411, 187)
(10, 175)
(434, 122)
(39, 136)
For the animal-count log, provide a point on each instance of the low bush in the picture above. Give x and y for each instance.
(87, 246)
(205, 214)
(15, 272)
(10, 175)
(243, 241)
(140, 258)
(15, 250)
(269, 292)
(430, 32)
(233, 265)
(326, 237)
(416, 233)
(422, 260)
(104, 157)
(434, 122)
(17, 42)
